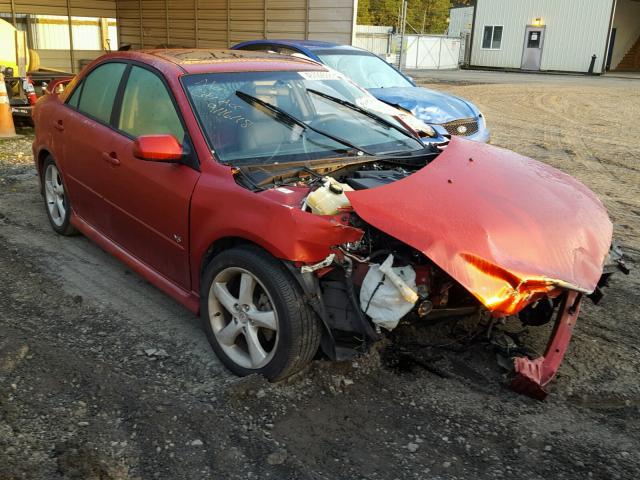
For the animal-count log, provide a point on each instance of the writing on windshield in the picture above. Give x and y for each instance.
(258, 127)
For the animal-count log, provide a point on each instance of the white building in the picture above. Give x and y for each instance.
(556, 35)
(460, 21)
(461, 26)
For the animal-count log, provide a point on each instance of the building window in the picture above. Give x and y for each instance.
(51, 32)
(533, 41)
(492, 37)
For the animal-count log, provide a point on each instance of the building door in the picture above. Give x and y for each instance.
(532, 52)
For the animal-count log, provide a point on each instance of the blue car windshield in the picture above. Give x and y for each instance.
(286, 116)
(367, 70)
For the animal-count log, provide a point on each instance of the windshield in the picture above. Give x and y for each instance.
(367, 70)
(277, 117)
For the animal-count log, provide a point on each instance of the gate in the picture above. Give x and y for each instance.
(431, 52)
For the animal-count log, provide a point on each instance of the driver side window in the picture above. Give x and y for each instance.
(147, 108)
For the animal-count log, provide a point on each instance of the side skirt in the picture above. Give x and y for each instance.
(189, 299)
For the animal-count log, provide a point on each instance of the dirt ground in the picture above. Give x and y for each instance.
(103, 377)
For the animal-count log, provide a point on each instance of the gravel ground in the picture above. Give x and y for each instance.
(103, 377)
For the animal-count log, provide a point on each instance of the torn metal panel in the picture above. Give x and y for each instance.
(531, 376)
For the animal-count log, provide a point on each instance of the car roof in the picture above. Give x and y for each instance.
(315, 44)
(311, 45)
(211, 60)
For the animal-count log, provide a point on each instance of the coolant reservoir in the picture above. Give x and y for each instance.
(329, 197)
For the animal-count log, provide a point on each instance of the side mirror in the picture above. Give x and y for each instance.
(157, 148)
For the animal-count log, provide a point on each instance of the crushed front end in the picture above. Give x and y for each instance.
(465, 228)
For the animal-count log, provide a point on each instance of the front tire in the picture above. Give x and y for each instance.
(56, 199)
(254, 315)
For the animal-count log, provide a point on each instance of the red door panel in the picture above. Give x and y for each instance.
(84, 168)
(148, 209)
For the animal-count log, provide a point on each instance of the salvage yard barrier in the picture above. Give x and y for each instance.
(431, 52)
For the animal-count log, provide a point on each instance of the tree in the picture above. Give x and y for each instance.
(385, 12)
(364, 12)
(423, 16)
(429, 16)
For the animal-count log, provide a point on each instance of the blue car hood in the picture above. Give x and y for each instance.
(428, 105)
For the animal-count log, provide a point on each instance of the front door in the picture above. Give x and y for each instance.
(148, 202)
(532, 53)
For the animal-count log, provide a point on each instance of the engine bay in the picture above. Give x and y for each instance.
(362, 171)
(395, 282)
(363, 179)
(374, 283)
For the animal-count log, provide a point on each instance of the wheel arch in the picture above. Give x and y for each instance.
(226, 242)
(218, 246)
(41, 157)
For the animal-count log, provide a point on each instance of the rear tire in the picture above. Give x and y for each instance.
(255, 316)
(56, 199)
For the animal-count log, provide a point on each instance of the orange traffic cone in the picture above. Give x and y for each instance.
(7, 130)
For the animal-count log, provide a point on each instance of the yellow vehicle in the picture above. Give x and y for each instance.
(22, 73)
(14, 51)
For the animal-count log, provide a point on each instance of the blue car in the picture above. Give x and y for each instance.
(456, 115)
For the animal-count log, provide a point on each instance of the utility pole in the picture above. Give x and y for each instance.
(403, 25)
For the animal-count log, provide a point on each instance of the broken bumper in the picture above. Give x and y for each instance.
(531, 376)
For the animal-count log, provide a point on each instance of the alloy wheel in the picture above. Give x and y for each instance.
(55, 195)
(243, 318)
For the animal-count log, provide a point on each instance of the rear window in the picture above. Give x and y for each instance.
(99, 91)
(75, 96)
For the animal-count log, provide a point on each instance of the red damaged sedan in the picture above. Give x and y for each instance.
(280, 202)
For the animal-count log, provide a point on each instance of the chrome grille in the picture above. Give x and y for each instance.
(463, 127)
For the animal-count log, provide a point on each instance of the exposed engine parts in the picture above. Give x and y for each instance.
(392, 268)
(378, 281)
(388, 293)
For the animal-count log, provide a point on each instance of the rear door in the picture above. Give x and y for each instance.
(148, 202)
(85, 133)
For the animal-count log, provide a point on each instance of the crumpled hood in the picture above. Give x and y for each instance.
(429, 106)
(504, 226)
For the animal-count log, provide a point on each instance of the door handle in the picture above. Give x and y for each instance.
(111, 158)
(59, 126)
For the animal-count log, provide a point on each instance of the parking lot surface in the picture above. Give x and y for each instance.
(468, 77)
(104, 377)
